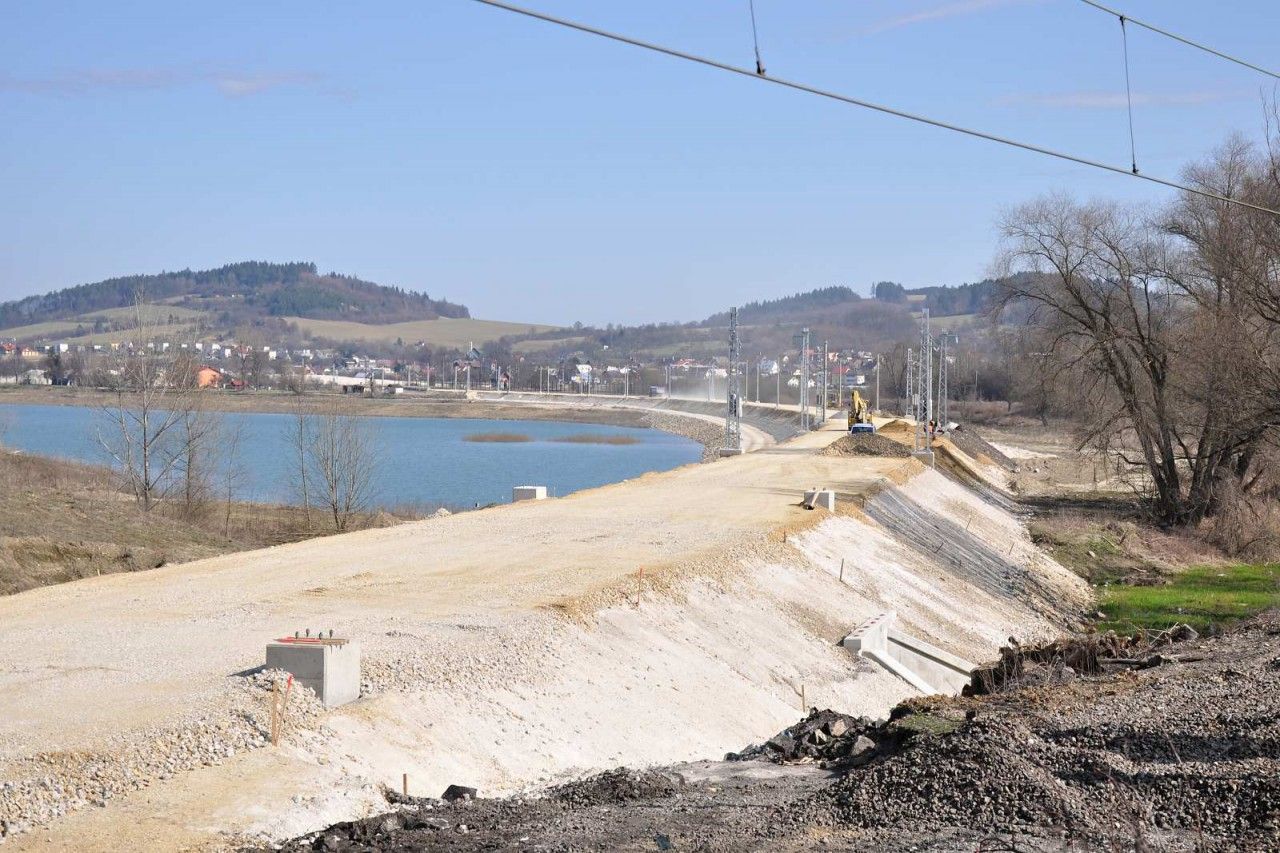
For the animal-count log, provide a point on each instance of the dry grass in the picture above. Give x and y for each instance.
(596, 438)
(61, 521)
(497, 438)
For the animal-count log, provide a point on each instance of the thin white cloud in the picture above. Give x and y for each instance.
(938, 13)
(1113, 100)
(79, 83)
(242, 85)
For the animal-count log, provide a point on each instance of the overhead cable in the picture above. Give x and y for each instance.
(857, 102)
(1128, 94)
(755, 39)
(1189, 42)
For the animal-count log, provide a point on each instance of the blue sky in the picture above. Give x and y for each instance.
(541, 175)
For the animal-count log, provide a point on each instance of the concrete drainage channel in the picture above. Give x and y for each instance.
(922, 665)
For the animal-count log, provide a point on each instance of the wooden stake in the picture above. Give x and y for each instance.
(275, 713)
(804, 705)
(404, 781)
(842, 570)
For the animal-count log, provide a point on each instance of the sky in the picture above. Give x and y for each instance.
(541, 175)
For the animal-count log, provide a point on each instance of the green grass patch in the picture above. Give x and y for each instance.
(1201, 597)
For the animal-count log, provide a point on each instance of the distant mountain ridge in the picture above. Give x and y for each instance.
(238, 293)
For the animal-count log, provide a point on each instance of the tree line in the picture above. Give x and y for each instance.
(1158, 328)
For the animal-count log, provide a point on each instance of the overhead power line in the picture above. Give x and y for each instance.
(857, 102)
(1189, 42)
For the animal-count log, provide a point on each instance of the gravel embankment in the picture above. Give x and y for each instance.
(1179, 753)
(52, 784)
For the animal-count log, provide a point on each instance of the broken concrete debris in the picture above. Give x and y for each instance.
(831, 739)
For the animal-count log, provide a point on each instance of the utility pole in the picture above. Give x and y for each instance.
(825, 380)
(777, 400)
(944, 378)
(733, 393)
(911, 385)
(877, 406)
(804, 378)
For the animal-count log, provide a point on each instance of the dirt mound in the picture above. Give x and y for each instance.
(968, 440)
(866, 444)
(615, 787)
(899, 430)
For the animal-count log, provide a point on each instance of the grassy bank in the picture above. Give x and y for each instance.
(1202, 597)
(61, 521)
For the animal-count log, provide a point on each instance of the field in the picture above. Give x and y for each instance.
(542, 345)
(65, 330)
(441, 332)
(1201, 597)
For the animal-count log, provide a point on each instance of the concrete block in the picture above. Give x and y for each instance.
(824, 498)
(330, 667)
(922, 665)
(529, 493)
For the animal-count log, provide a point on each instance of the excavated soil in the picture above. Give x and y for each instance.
(867, 444)
(1181, 755)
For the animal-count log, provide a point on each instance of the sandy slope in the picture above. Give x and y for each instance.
(503, 647)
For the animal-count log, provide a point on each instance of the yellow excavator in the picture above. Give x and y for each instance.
(859, 413)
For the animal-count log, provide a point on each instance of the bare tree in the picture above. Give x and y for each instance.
(143, 427)
(230, 469)
(336, 455)
(1166, 326)
(300, 438)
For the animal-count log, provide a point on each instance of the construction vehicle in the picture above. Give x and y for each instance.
(859, 413)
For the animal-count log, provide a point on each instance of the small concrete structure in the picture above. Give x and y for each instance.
(529, 493)
(330, 666)
(924, 666)
(825, 498)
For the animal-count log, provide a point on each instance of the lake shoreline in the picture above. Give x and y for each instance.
(442, 404)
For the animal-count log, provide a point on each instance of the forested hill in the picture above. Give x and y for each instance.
(239, 292)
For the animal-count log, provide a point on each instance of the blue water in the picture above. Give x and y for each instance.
(421, 461)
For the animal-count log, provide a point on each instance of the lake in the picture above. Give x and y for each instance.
(420, 460)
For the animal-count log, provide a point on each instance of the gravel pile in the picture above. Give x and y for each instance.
(1178, 756)
(866, 444)
(614, 787)
(47, 786)
(978, 447)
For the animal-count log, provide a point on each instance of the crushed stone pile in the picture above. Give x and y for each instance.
(614, 787)
(967, 439)
(51, 785)
(866, 444)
